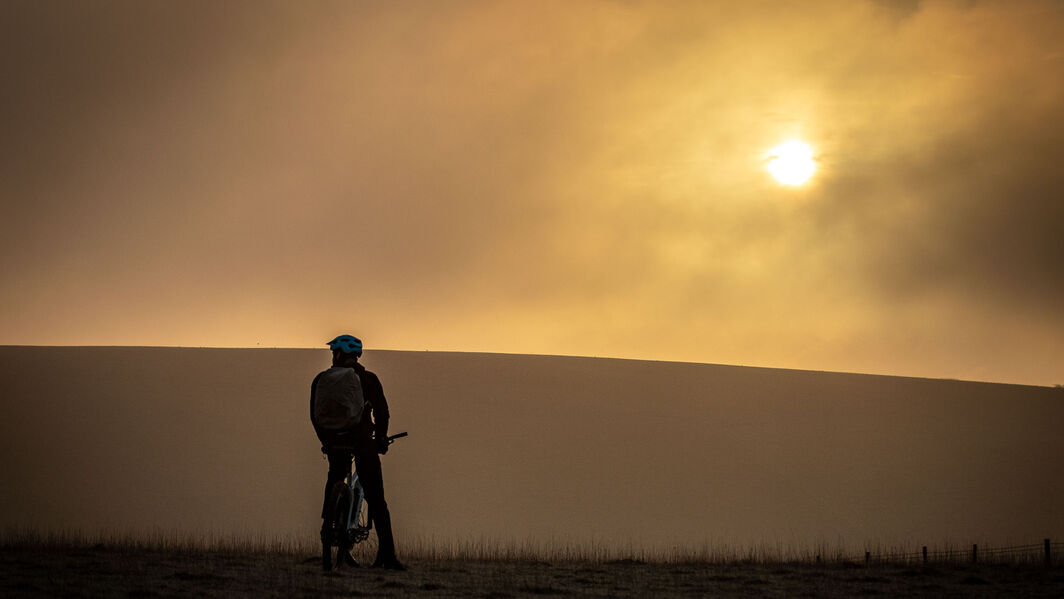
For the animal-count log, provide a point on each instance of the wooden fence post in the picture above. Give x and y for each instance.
(1049, 555)
(925, 555)
(975, 553)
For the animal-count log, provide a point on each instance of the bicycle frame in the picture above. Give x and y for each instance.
(355, 534)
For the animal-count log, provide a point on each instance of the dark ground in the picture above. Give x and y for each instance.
(121, 572)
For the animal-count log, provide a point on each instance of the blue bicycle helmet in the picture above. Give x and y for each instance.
(347, 344)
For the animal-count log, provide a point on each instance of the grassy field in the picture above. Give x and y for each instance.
(67, 566)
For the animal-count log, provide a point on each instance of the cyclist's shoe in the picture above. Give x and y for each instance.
(390, 563)
(350, 561)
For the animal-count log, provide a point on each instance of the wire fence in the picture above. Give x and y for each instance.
(1046, 552)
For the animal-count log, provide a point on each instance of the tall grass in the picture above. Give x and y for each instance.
(433, 549)
(157, 540)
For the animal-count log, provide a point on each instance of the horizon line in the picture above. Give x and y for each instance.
(498, 353)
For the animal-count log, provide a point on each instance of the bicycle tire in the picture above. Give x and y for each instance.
(335, 528)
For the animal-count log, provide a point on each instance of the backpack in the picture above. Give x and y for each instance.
(338, 400)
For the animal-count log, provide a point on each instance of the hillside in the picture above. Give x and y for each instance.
(512, 447)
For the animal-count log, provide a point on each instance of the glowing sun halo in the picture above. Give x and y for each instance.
(791, 162)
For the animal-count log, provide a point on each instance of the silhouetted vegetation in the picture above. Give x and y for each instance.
(57, 565)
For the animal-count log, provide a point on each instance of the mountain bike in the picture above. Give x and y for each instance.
(347, 521)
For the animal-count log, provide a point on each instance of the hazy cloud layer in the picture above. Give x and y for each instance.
(580, 178)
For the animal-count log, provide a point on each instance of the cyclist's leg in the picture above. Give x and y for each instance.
(339, 468)
(369, 474)
(329, 535)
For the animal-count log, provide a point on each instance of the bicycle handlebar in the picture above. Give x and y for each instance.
(351, 448)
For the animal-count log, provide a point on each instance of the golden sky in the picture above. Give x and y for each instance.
(579, 177)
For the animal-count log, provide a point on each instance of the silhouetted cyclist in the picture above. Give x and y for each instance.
(365, 440)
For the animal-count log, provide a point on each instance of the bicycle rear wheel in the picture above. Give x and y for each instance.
(334, 531)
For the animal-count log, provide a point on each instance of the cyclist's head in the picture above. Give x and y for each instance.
(346, 348)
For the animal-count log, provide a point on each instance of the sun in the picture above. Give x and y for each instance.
(791, 162)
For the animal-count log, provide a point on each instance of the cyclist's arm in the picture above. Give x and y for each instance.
(379, 407)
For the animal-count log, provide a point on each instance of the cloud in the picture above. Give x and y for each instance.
(555, 177)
